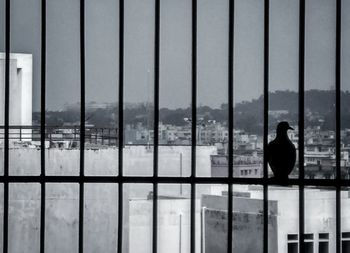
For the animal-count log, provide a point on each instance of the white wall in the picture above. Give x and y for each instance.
(101, 201)
(21, 85)
(137, 161)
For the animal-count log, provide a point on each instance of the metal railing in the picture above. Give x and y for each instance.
(84, 134)
(59, 134)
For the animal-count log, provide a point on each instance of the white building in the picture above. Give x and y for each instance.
(21, 85)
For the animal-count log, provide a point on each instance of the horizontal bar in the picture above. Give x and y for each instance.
(173, 180)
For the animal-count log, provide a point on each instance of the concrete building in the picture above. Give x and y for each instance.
(21, 79)
(174, 207)
(247, 224)
(101, 200)
(211, 221)
(320, 219)
(244, 165)
(21, 85)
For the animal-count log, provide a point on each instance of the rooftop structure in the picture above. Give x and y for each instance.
(21, 85)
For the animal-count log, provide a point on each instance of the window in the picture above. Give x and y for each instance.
(293, 243)
(323, 243)
(309, 243)
(113, 113)
(345, 242)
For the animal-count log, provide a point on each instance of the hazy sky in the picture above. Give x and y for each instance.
(63, 76)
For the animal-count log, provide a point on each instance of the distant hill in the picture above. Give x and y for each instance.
(317, 101)
(248, 115)
(319, 109)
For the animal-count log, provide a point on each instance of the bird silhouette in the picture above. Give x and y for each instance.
(281, 153)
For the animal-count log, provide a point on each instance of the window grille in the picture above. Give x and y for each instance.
(193, 179)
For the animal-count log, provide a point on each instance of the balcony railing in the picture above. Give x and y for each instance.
(57, 135)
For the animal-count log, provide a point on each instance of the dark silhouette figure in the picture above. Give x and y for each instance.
(281, 154)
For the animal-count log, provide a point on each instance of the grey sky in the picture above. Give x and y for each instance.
(63, 76)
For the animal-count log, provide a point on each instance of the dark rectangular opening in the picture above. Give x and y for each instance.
(323, 247)
(293, 247)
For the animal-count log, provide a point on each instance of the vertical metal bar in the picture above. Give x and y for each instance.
(120, 124)
(42, 125)
(266, 121)
(155, 124)
(301, 122)
(230, 121)
(194, 126)
(82, 125)
(6, 121)
(338, 123)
